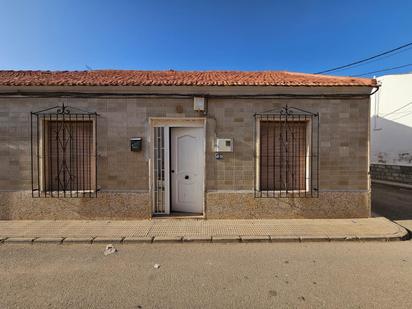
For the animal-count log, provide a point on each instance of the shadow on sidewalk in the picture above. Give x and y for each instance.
(391, 202)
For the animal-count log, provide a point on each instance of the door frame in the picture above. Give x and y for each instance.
(167, 123)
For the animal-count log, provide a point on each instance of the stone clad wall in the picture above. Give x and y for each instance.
(393, 173)
(343, 179)
(229, 205)
(343, 142)
(118, 169)
(123, 176)
(19, 205)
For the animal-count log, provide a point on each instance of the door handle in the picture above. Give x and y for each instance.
(172, 171)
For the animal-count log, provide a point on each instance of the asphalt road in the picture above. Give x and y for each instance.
(391, 202)
(290, 275)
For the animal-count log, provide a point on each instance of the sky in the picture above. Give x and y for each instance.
(302, 36)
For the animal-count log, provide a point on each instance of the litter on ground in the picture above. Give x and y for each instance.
(109, 250)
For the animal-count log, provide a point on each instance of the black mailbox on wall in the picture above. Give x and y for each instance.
(136, 144)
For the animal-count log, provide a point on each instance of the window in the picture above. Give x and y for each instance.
(286, 154)
(63, 153)
(283, 155)
(68, 156)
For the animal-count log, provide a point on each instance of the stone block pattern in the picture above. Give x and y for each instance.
(343, 142)
(394, 173)
(120, 119)
(123, 176)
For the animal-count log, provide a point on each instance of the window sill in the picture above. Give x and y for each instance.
(282, 191)
(284, 194)
(66, 194)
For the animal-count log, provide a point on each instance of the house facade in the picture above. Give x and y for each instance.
(138, 144)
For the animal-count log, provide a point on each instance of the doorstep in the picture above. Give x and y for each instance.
(202, 231)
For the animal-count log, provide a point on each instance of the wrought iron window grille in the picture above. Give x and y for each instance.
(63, 152)
(159, 175)
(286, 153)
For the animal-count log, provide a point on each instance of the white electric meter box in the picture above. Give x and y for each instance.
(199, 104)
(224, 145)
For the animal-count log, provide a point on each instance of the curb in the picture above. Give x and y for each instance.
(407, 228)
(105, 240)
(78, 240)
(401, 234)
(274, 238)
(167, 239)
(136, 240)
(19, 240)
(226, 239)
(49, 240)
(314, 239)
(197, 238)
(255, 238)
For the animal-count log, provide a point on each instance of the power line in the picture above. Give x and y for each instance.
(401, 116)
(402, 112)
(398, 109)
(384, 70)
(378, 59)
(364, 60)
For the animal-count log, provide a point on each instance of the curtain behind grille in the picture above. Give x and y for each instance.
(68, 157)
(283, 155)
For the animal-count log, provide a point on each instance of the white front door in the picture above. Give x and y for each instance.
(187, 169)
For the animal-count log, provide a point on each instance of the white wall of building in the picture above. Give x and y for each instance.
(391, 123)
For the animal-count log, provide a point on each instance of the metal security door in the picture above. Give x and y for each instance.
(161, 192)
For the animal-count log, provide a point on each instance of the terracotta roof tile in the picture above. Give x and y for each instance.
(174, 78)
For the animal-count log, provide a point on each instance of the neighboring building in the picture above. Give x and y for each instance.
(391, 134)
(133, 144)
(391, 129)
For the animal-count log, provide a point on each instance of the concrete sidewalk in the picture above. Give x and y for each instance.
(178, 230)
(407, 224)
